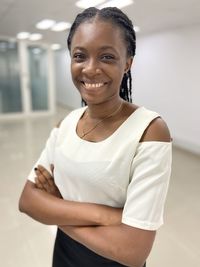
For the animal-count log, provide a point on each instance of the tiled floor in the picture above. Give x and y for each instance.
(26, 243)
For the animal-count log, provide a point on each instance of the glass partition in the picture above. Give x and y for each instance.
(38, 69)
(10, 90)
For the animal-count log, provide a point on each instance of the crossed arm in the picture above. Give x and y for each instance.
(98, 227)
(43, 202)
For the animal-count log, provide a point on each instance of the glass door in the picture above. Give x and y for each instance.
(10, 88)
(26, 79)
(38, 77)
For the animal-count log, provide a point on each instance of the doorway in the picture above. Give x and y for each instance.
(26, 79)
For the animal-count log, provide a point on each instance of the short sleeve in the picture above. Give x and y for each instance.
(47, 156)
(146, 194)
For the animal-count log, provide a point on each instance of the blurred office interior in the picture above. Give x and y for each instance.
(36, 92)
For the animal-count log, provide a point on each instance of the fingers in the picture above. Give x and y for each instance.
(38, 184)
(44, 172)
(43, 179)
(45, 176)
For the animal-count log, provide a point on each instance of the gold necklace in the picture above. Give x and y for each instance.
(100, 121)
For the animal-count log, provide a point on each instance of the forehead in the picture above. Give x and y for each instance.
(98, 33)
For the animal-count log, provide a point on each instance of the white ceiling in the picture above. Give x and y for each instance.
(149, 15)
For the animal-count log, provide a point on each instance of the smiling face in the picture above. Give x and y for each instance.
(98, 61)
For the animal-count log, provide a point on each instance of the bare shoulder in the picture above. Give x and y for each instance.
(157, 131)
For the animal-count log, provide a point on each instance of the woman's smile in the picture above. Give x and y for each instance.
(93, 85)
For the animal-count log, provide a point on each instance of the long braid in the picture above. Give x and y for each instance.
(116, 17)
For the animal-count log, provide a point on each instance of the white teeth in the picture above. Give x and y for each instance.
(93, 85)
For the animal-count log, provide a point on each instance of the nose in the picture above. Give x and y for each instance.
(91, 67)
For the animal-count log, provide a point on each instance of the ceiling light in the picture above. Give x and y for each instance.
(23, 35)
(55, 46)
(136, 28)
(88, 3)
(45, 24)
(117, 3)
(61, 26)
(35, 36)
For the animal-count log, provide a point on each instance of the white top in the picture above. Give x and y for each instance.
(118, 171)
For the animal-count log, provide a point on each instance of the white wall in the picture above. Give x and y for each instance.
(66, 92)
(166, 78)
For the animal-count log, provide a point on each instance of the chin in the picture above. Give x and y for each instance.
(92, 102)
(89, 99)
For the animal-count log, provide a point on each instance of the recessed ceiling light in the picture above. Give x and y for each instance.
(55, 46)
(61, 26)
(45, 24)
(117, 3)
(136, 28)
(23, 35)
(88, 3)
(35, 36)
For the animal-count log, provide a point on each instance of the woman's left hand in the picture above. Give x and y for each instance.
(45, 181)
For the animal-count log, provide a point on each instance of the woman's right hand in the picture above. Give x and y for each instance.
(45, 181)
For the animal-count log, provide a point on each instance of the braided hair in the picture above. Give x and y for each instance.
(116, 17)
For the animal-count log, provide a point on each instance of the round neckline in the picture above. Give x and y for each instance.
(107, 138)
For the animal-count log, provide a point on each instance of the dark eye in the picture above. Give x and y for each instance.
(79, 57)
(107, 58)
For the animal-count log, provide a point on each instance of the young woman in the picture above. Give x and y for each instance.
(104, 173)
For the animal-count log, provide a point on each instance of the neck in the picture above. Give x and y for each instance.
(100, 111)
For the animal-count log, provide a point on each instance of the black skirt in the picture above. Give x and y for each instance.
(70, 253)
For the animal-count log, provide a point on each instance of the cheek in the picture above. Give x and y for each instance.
(73, 69)
(119, 73)
(74, 72)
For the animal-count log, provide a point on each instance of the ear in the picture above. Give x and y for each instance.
(129, 63)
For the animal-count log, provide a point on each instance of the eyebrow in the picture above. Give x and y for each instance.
(79, 47)
(108, 47)
(105, 47)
